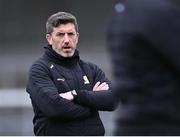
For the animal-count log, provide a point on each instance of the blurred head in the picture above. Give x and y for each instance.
(62, 33)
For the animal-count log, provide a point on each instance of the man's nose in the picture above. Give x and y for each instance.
(66, 39)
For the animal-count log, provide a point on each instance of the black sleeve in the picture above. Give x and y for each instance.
(45, 95)
(99, 100)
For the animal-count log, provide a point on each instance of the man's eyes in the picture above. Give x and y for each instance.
(69, 34)
(60, 34)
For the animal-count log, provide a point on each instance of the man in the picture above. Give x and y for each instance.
(65, 91)
(144, 40)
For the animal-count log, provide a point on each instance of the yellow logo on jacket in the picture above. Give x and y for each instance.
(86, 81)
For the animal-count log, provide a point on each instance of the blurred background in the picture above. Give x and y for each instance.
(22, 37)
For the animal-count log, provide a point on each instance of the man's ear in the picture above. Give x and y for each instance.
(49, 38)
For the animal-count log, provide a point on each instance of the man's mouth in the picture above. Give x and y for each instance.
(66, 49)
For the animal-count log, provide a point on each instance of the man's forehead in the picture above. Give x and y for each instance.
(65, 27)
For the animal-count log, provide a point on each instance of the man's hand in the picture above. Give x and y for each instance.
(67, 95)
(100, 86)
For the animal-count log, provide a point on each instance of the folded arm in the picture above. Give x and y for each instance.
(99, 98)
(45, 95)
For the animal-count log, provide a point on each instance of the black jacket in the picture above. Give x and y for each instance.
(53, 74)
(144, 39)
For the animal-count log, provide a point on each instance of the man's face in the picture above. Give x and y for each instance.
(64, 39)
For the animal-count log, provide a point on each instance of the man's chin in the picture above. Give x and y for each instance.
(67, 54)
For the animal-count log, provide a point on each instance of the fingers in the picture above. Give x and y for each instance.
(96, 86)
(102, 86)
(67, 95)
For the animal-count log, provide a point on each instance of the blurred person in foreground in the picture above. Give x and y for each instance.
(67, 92)
(143, 37)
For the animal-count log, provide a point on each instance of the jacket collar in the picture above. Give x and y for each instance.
(58, 59)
